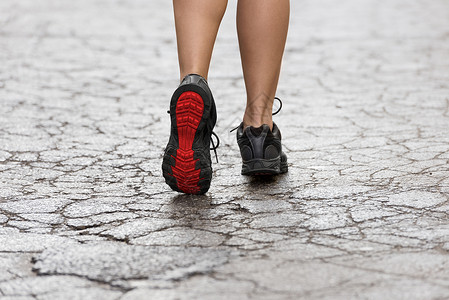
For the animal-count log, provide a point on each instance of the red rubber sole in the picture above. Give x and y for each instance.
(189, 112)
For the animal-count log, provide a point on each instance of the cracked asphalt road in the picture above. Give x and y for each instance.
(362, 213)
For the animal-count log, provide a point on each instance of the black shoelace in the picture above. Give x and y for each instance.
(214, 147)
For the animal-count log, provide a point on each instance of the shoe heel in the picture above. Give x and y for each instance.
(262, 167)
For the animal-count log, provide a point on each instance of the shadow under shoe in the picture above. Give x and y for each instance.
(261, 150)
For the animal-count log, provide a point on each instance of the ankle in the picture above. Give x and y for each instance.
(257, 119)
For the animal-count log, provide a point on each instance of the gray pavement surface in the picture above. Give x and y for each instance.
(362, 214)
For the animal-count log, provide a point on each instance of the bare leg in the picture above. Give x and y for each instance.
(197, 23)
(262, 28)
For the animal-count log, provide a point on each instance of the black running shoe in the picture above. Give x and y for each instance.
(187, 165)
(261, 150)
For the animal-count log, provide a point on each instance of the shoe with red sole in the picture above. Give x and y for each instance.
(187, 165)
